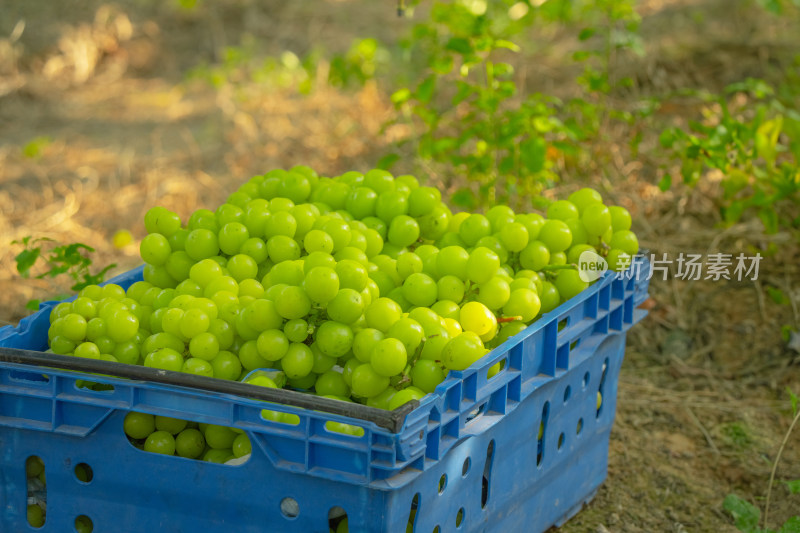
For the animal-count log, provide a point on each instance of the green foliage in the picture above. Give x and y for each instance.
(753, 138)
(71, 260)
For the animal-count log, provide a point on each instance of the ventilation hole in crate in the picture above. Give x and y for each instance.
(16, 375)
(600, 389)
(337, 519)
(585, 380)
(560, 441)
(412, 513)
(574, 344)
(280, 417)
(542, 430)
(93, 386)
(188, 440)
(475, 413)
(465, 467)
(437, 529)
(486, 480)
(496, 369)
(290, 508)
(343, 429)
(442, 483)
(83, 473)
(579, 427)
(37, 490)
(460, 517)
(84, 524)
(567, 393)
(563, 323)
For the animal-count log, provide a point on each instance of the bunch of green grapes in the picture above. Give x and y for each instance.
(359, 287)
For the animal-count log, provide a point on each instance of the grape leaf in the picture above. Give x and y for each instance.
(745, 514)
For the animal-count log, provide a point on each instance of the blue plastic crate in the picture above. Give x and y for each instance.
(467, 458)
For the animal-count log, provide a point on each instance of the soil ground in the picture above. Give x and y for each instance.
(702, 405)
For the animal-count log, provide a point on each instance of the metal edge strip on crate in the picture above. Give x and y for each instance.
(391, 420)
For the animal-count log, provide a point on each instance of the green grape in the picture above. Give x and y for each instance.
(177, 241)
(219, 437)
(139, 425)
(173, 426)
(282, 248)
(205, 271)
(294, 186)
(255, 216)
(408, 263)
(339, 230)
(322, 363)
(434, 344)
(391, 204)
(164, 359)
(476, 317)
(535, 256)
(158, 276)
(510, 329)
(620, 218)
(379, 180)
(423, 200)
(352, 275)
(569, 284)
(280, 204)
(204, 346)
(251, 287)
(189, 287)
(434, 225)
(494, 293)
(201, 244)
(241, 446)
(366, 382)
(194, 322)
(96, 327)
(362, 202)
(190, 443)
(290, 272)
(127, 353)
(162, 340)
(321, 284)
(450, 288)
(403, 231)
(499, 216)
(262, 314)
(578, 231)
(223, 331)
(351, 254)
(596, 219)
(334, 339)
(626, 241)
(178, 265)
(298, 361)
(218, 456)
(161, 220)
(227, 213)
(404, 396)
(249, 355)
(382, 313)
(514, 236)
(555, 235)
(420, 289)
(242, 267)
(296, 330)
(226, 366)
(332, 383)
(575, 251)
(473, 228)
(409, 332)
(446, 309)
(122, 325)
(73, 327)
(317, 241)
(88, 350)
(562, 210)
(199, 367)
(346, 307)
(582, 198)
(482, 265)
(256, 249)
(549, 297)
(203, 219)
(618, 261)
(524, 303)
(558, 258)
(222, 283)
(462, 350)
(452, 261)
(364, 341)
(84, 307)
(397, 295)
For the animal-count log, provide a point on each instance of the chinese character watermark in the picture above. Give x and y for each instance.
(715, 267)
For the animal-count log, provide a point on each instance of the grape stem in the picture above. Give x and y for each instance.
(505, 319)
